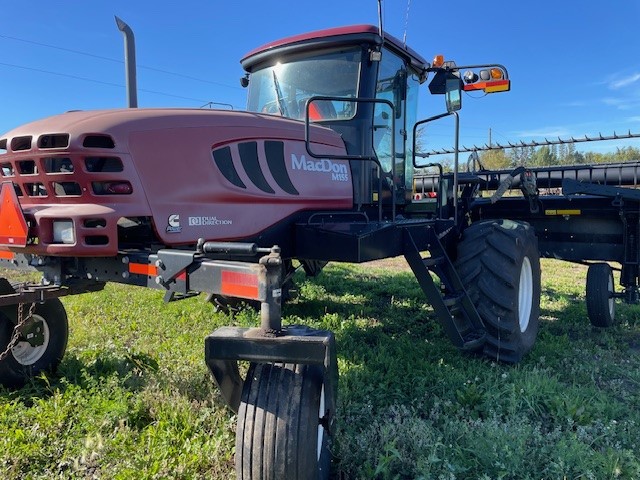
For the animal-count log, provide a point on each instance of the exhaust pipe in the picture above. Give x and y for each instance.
(129, 62)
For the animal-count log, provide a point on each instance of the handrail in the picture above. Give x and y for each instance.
(365, 158)
(455, 157)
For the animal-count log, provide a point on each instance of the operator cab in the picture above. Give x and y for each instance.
(346, 63)
(364, 86)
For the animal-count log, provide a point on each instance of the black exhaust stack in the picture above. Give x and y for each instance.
(130, 62)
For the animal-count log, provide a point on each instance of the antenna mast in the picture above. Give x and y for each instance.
(380, 31)
(406, 24)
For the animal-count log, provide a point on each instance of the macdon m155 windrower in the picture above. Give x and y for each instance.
(319, 168)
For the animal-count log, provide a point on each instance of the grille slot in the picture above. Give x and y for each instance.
(21, 143)
(67, 189)
(95, 223)
(58, 165)
(103, 164)
(35, 189)
(114, 187)
(27, 167)
(59, 140)
(98, 141)
(7, 170)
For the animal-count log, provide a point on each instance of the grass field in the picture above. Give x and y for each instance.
(133, 397)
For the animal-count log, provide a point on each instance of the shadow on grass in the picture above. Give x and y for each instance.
(395, 357)
(389, 334)
(130, 371)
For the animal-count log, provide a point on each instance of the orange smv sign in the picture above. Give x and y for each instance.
(13, 227)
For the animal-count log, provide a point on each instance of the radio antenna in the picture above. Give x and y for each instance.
(380, 31)
(406, 24)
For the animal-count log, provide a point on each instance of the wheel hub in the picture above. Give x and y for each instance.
(34, 340)
(525, 294)
(321, 426)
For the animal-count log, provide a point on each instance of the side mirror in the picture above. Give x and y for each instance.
(453, 94)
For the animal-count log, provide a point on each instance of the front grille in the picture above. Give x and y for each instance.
(66, 175)
(54, 173)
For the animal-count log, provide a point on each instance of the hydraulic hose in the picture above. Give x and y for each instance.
(506, 184)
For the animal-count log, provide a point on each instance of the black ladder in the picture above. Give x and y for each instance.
(454, 309)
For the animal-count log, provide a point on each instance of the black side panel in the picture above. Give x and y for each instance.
(275, 160)
(249, 158)
(223, 160)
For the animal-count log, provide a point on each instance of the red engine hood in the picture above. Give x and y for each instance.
(218, 175)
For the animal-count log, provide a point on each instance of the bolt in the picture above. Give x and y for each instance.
(125, 274)
(160, 264)
(125, 260)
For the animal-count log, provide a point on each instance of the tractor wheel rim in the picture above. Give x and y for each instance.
(321, 431)
(525, 294)
(611, 291)
(26, 354)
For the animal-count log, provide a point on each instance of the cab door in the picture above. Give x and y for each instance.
(397, 84)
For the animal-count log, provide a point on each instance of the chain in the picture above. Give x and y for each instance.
(17, 330)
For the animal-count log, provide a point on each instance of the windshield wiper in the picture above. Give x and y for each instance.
(280, 98)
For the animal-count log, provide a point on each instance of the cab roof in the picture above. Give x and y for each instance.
(353, 34)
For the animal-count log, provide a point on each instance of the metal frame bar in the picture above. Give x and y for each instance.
(364, 158)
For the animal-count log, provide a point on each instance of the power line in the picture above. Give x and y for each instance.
(108, 59)
(101, 82)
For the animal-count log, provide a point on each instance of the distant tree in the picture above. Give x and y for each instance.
(593, 157)
(578, 157)
(521, 155)
(495, 160)
(626, 154)
(542, 157)
(567, 154)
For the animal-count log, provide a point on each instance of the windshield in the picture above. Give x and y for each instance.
(284, 88)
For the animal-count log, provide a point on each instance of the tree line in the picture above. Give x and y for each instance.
(550, 155)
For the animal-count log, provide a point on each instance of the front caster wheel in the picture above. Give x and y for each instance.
(600, 295)
(283, 423)
(42, 343)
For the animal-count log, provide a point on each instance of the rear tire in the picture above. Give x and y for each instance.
(283, 429)
(499, 265)
(599, 293)
(27, 359)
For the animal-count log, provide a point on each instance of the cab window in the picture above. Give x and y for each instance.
(284, 88)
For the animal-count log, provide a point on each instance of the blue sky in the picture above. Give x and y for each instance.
(574, 66)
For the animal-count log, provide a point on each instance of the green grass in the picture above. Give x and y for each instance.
(133, 397)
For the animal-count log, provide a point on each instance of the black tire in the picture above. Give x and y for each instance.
(499, 264)
(280, 435)
(599, 292)
(50, 325)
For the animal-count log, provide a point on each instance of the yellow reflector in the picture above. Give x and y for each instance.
(496, 73)
(563, 212)
(438, 61)
(498, 86)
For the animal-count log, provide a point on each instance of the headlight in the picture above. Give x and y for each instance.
(63, 232)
